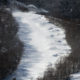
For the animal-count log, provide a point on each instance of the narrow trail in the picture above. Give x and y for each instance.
(44, 44)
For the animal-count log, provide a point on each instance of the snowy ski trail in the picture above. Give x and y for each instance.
(44, 44)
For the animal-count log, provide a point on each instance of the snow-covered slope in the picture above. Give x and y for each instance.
(44, 44)
(75, 76)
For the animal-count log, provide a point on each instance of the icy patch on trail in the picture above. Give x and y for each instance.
(44, 44)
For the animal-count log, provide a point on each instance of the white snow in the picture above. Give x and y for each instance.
(75, 76)
(44, 44)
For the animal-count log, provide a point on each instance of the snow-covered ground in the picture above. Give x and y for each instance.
(44, 44)
(75, 76)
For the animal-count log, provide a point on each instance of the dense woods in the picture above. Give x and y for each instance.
(10, 46)
(68, 9)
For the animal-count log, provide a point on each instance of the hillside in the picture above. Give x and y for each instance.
(41, 40)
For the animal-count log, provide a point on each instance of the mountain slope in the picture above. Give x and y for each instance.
(44, 44)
